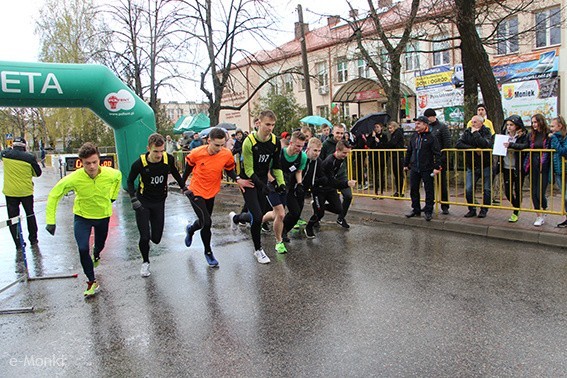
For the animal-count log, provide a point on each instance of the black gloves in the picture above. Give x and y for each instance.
(136, 204)
(50, 228)
(280, 189)
(299, 191)
(259, 184)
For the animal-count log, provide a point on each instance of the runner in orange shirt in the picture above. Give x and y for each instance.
(207, 164)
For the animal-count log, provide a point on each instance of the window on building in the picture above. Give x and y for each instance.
(342, 70)
(548, 27)
(385, 60)
(507, 36)
(362, 68)
(324, 111)
(275, 87)
(288, 83)
(440, 52)
(411, 57)
(345, 110)
(322, 75)
(301, 79)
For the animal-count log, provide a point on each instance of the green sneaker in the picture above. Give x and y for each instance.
(96, 261)
(280, 247)
(513, 218)
(300, 223)
(91, 289)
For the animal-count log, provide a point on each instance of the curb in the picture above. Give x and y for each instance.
(490, 231)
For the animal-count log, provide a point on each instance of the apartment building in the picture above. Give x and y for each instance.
(175, 110)
(525, 55)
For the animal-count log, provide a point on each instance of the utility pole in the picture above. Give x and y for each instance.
(308, 100)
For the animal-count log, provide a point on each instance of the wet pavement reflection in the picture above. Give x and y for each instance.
(375, 300)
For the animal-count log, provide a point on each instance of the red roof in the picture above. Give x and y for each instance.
(330, 35)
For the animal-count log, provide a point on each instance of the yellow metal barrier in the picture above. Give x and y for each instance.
(379, 174)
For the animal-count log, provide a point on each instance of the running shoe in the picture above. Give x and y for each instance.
(309, 232)
(280, 247)
(213, 263)
(188, 235)
(513, 218)
(562, 224)
(343, 222)
(233, 226)
(261, 256)
(145, 271)
(265, 227)
(92, 288)
(96, 259)
(300, 223)
(539, 221)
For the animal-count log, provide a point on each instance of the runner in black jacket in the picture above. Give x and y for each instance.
(327, 191)
(148, 200)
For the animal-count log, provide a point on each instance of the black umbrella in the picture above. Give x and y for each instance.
(365, 125)
(227, 126)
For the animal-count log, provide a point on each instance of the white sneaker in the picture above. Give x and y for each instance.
(233, 226)
(261, 256)
(145, 271)
(539, 221)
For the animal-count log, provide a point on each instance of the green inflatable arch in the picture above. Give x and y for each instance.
(54, 85)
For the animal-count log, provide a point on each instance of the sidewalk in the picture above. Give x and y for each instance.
(495, 225)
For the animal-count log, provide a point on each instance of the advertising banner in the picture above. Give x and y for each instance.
(526, 98)
(439, 98)
(436, 77)
(526, 67)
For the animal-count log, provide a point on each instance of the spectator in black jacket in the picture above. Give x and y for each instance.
(477, 162)
(423, 161)
(327, 193)
(396, 141)
(440, 131)
(377, 141)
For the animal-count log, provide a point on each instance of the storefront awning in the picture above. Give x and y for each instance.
(365, 90)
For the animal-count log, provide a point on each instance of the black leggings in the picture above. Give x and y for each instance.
(204, 209)
(513, 182)
(257, 206)
(13, 205)
(319, 207)
(294, 208)
(150, 221)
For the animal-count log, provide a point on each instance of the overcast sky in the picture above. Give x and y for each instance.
(19, 43)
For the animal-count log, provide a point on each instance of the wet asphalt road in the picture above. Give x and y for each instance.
(376, 300)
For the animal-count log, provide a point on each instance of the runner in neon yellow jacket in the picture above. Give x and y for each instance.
(93, 197)
(95, 189)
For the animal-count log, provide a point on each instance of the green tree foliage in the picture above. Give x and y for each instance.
(288, 111)
(69, 32)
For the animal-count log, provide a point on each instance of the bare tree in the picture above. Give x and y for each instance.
(389, 78)
(221, 30)
(467, 16)
(69, 32)
(145, 47)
